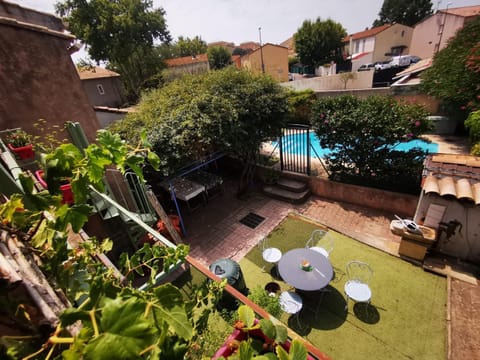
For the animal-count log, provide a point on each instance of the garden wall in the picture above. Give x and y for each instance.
(397, 203)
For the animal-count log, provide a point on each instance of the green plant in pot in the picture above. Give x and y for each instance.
(260, 339)
(20, 143)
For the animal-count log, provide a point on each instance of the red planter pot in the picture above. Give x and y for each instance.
(23, 152)
(66, 189)
(226, 350)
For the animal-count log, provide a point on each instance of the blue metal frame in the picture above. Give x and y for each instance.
(187, 170)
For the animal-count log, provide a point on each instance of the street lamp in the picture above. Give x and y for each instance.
(261, 50)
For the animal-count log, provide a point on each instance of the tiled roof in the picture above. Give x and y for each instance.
(95, 73)
(187, 60)
(366, 33)
(453, 175)
(465, 11)
(249, 45)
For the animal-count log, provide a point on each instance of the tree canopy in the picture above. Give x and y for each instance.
(405, 12)
(361, 134)
(122, 33)
(188, 47)
(454, 76)
(319, 42)
(218, 57)
(229, 110)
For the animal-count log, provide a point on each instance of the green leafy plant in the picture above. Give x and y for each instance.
(48, 136)
(117, 321)
(262, 298)
(264, 339)
(19, 138)
(361, 134)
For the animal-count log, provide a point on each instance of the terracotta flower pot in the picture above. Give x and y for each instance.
(66, 189)
(23, 152)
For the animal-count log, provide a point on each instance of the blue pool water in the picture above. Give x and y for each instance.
(291, 146)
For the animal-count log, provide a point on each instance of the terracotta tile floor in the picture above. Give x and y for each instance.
(214, 231)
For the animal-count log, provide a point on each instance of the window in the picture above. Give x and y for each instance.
(100, 89)
(403, 33)
(357, 46)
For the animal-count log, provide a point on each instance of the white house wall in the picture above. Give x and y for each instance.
(465, 243)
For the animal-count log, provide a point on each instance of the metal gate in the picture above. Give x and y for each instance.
(295, 149)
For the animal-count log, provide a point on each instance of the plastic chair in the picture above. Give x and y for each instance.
(319, 241)
(271, 255)
(357, 286)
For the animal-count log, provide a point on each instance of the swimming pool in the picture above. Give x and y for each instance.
(293, 144)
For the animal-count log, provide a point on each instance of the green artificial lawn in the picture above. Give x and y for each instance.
(407, 315)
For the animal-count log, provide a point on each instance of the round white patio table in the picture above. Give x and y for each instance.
(315, 276)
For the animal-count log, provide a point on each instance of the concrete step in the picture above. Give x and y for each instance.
(279, 193)
(292, 185)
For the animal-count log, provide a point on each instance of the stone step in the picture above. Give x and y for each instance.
(279, 193)
(292, 185)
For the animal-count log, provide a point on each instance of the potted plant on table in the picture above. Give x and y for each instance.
(20, 143)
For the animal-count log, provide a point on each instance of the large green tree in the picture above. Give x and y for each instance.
(218, 57)
(454, 76)
(319, 42)
(229, 110)
(405, 12)
(188, 47)
(121, 33)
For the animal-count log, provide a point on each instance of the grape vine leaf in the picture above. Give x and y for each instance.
(125, 331)
(171, 309)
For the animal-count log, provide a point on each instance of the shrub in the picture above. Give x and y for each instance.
(270, 303)
(361, 134)
(473, 125)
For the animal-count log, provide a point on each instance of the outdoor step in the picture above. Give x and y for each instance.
(277, 192)
(292, 185)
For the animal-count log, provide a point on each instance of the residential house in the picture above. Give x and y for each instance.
(103, 86)
(230, 46)
(433, 33)
(378, 44)
(39, 79)
(270, 59)
(290, 45)
(189, 64)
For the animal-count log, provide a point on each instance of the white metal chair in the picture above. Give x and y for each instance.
(357, 286)
(321, 242)
(271, 255)
(291, 303)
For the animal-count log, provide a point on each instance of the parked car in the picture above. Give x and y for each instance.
(404, 60)
(381, 65)
(366, 67)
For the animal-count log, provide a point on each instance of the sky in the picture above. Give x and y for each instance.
(239, 20)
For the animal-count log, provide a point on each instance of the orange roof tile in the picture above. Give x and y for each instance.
(366, 33)
(465, 11)
(453, 175)
(95, 72)
(187, 60)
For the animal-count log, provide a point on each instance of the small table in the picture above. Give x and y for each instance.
(185, 190)
(314, 278)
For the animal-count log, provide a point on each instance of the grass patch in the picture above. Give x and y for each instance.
(406, 319)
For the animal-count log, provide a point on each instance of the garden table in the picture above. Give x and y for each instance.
(186, 190)
(305, 269)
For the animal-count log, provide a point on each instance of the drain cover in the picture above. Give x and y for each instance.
(252, 220)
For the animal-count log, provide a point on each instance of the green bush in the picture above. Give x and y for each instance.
(361, 134)
(473, 125)
(270, 303)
